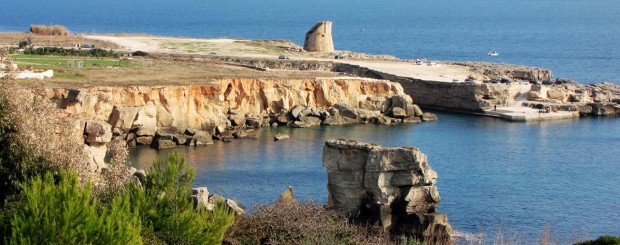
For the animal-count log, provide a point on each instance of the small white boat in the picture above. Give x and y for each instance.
(493, 53)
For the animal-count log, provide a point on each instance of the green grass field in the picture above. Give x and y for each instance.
(55, 62)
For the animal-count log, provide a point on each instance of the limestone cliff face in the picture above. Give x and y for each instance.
(206, 106)
(453, 96)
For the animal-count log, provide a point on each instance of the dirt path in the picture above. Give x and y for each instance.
(220, 46)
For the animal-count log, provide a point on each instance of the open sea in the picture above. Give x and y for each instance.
(517, 177)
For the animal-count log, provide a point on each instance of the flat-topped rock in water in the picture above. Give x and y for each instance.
(393, 186)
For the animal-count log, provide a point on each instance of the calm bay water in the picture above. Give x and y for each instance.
(491, 173)
(577, 39)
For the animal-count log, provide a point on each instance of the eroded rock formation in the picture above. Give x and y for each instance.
(319, 38)
(167, 116)
(392, 186)
(601, 99)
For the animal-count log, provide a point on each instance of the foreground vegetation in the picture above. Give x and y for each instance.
(50, 197)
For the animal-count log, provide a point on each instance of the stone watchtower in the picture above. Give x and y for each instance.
(319, 38)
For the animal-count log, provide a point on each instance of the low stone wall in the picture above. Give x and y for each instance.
(392, 186)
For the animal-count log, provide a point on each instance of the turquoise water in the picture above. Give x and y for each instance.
(519, 176)
(577, 39)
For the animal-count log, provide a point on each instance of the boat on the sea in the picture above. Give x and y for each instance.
(493, 53)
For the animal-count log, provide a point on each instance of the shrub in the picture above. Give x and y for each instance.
(56, 30)
(301, 223)
(168, 213)
(98, 53)
(603, 240)
(139, 53)
(61, 212)
(34, 138)
(23, 44)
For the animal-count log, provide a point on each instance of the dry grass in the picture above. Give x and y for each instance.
(160, 71)
(35, 129)
(301, 223)
(13, 38)
(56, 30)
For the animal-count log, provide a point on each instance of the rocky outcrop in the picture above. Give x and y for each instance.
(319, 38)
(166, 116)
(202, 198)
(392, 186)
(97, 134)
(497, 71)
(601, 99)
(468, 97)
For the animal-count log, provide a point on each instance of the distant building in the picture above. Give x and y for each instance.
(319, 38)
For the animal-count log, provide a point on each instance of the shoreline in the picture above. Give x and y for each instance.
(472, 87)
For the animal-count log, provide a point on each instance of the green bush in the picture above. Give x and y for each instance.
(23, 44)
(96, 52)
(168, 213)
(603, 240)
(61, 212)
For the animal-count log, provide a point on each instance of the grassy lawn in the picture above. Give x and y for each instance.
(55, 62)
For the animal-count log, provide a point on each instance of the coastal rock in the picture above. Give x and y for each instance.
(237, 120)
(146, 120)
(398, 112)
(393, 186)
(253, 122)
(401, 101)
(163, 143)
(95, 155)
(375, 104)
(556, 94)
(201, 138)
(238, 134)
(126, 118)
(200, 196)
(142, 109)
(144, 140)
(339, 120)
(280, 136)
(428, 117)
(346, 110)
(232, 204)
(297, 110)
(287, 196)
(97, 131)
(412, 120)
(310, 121)
(165, 138)
(416, 111)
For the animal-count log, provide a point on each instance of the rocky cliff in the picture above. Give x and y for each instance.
(469, 97)
(601, 99)
(392, 186)
(173, 114)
